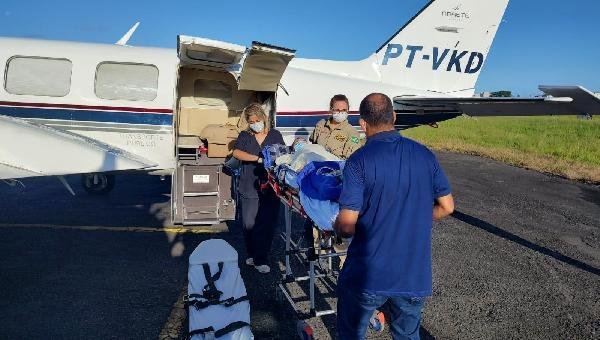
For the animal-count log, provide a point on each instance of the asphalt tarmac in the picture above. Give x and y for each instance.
(520, 258)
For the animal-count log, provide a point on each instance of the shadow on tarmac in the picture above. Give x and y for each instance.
(137, 200)
(592, 196)
(475, 222)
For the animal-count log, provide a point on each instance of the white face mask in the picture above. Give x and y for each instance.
(339, 117)
(257, 127)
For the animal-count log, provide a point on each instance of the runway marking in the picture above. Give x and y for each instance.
(176, 230)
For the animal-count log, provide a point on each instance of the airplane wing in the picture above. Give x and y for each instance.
(38, 150)
(563, 100)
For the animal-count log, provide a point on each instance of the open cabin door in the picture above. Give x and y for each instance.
(263, 67)
(257, 68)
(203, 189)
(208, 53)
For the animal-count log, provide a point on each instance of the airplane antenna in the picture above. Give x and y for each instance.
(123, 41)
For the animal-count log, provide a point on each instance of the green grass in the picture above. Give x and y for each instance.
(563, 145)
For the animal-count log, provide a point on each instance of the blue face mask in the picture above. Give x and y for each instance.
(299, 146)
(257, 127)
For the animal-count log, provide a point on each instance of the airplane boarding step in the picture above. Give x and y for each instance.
(202, 192)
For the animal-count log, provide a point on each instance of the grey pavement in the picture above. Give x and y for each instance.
(519, 259)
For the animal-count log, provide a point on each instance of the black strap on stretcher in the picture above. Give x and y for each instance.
(203, 304)
(210, 293)
(234, 326)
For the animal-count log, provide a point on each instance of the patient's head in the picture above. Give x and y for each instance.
(299, 143)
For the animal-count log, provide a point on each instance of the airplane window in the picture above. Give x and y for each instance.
(38, 76)
(126, 81)
(212, 92)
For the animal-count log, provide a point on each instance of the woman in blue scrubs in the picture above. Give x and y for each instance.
(259, 205)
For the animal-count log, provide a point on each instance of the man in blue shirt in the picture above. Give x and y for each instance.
(393, 188)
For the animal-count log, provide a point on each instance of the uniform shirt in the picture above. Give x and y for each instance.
(341, 141)
(252, 173)
(392, 182)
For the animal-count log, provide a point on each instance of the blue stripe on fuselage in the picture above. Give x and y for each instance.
(89, 115)
(283, 121)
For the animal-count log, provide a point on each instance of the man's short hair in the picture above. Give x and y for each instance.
(339, 98)
(377, 110)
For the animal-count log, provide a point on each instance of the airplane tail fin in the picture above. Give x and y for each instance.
(443, 47)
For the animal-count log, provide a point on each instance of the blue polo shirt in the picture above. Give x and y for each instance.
(392, 182)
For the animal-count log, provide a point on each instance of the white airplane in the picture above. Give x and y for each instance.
(81, 108)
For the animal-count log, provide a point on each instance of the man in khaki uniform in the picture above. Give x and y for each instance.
(335, 134)
(340, 138)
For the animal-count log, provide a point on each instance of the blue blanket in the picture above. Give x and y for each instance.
(320, 187)
(322, 213)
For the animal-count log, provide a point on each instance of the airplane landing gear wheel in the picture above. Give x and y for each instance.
(98, 183)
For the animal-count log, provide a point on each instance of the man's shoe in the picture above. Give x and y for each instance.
(263, 269)
(250, 261)
(377, 321)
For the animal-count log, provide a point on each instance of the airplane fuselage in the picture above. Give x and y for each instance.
(145, 126)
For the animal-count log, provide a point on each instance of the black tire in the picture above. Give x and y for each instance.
(98, 183)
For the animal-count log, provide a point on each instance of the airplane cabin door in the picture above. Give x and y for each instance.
(203, 191)
(263, 67)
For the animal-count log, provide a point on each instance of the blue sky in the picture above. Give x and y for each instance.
(540, 41)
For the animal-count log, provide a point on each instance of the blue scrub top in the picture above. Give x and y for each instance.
(253, 174)
(392, 182)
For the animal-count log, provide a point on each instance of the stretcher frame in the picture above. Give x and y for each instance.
(291, 202)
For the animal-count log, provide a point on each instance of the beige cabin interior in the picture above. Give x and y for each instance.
(210, 102)
(208, 97)
(208, 94)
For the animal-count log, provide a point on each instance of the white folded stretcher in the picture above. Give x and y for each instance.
(217, 302)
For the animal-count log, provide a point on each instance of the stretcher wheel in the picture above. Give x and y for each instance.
(377, 322)
(305, 331)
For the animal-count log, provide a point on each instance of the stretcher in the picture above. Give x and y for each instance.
(217, 303)
(319, 260)
(317, 257)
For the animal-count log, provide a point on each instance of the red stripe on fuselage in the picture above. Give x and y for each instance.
(87, 107)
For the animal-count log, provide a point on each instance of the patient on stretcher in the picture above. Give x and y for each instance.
(306, 154)
(317, 176)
